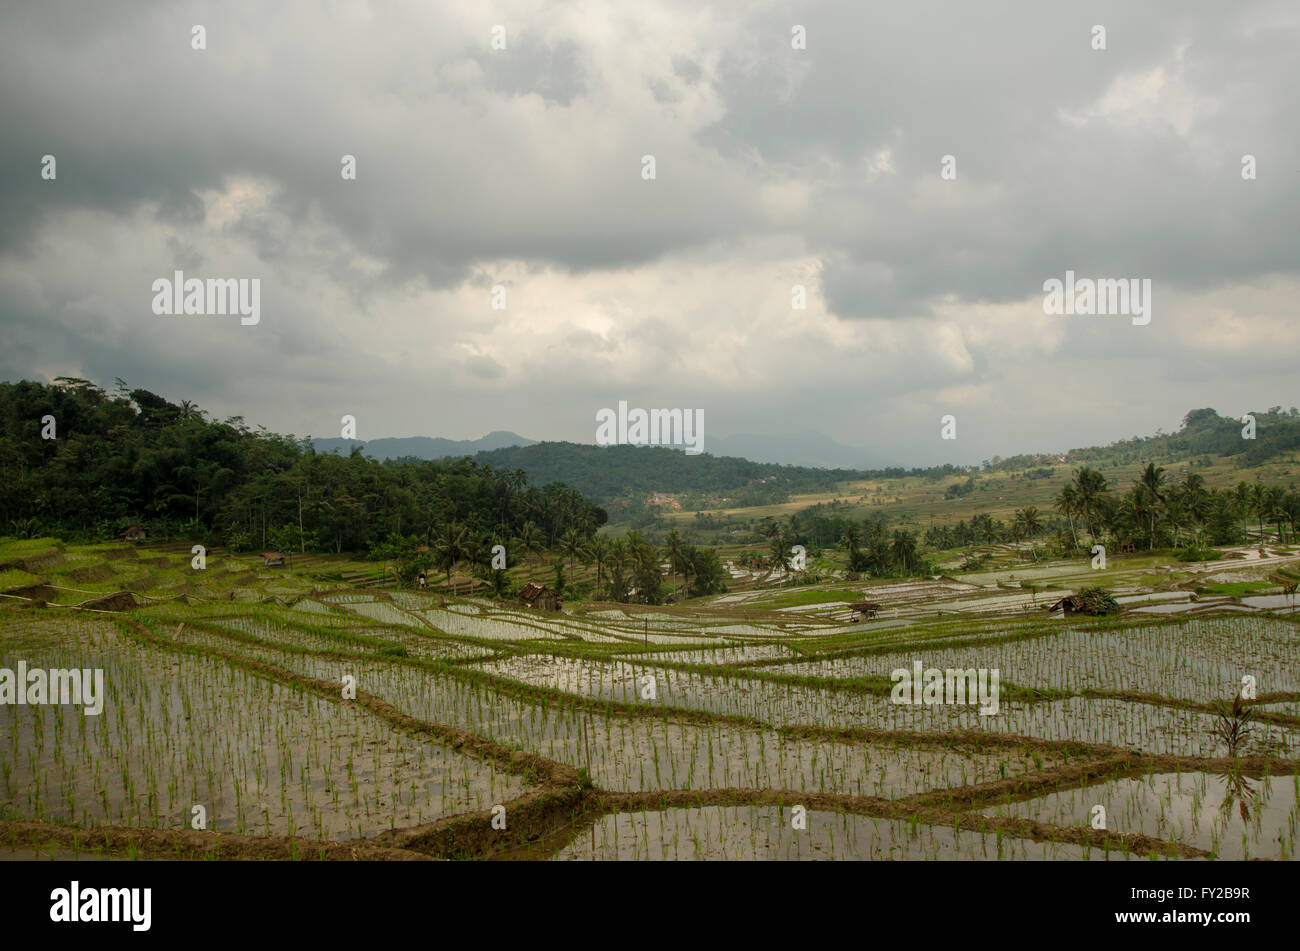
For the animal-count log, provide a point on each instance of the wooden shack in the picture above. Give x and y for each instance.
(535, 595)
(1092, 601)
(864, 610)
(1072, 604)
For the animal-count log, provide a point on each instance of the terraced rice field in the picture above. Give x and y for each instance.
(307, 720)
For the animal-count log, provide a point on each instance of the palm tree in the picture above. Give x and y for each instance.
(1152, 484)
(1291, 509)
(618, 559)
(640, 553)
(1176, 511)
(449, 546)
(1089, 487)
(851, 541)
(1257, 503)
(1273, 501)
(571, 545)
(478, 552)
(598, 551)
(675, 551)
(1067, 503)
(903, 549)
(1196, 501)
(529, 539)
(1029, 523)
(779, 553)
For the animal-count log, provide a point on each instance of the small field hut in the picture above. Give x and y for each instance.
(535, 595)
(864, 610)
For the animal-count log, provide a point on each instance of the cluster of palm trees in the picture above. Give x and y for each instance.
(983, 528)
(625, 566)
(873, 549)
(1157, 510)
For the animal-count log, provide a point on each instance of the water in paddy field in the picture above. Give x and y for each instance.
(1231, 817)
(767, 833)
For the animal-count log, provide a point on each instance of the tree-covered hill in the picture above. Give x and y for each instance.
(610, 473)
(1203, 433)
(81, 463)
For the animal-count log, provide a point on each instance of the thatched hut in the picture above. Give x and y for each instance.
(1090, 601)
(1071, 604)
(865, 610)
(535, 595)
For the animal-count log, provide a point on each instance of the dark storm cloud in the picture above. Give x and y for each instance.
(987, 83)
(823, 161)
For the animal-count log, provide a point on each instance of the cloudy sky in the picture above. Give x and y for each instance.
(774, 167)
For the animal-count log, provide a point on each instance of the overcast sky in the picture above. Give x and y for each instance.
(774, 167)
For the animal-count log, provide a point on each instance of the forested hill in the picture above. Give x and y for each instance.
(1203, 433)
(79, 463)
(608, 473)
(421, 447)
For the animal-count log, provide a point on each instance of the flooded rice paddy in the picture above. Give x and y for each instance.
(293, 715)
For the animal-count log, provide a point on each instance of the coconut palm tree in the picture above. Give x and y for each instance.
(478, 552)
(1291, 508)
(1274, 497)
(598, 552)
(675, 552)
(619, 559)
(903, 548)
(1176, 511)
(1151, 485)
(529, 539)
(571, 544)
(1196, 502)
(851, 541)
(1029, 523)
(1257, 503)
(449, 546)
(1089, 486)
(1067, 503)
(779, 551)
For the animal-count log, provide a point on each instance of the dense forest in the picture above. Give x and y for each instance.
(1203, 433)
(611, 473)
(621, 477)
(81, 463)
(618, 475)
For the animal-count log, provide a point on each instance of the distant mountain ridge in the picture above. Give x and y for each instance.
(794, 449)
(423, 447)
(754, 470)
(807, 450)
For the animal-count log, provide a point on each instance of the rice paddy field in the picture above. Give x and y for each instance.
(297, 713)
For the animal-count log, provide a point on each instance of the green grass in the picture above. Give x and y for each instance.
(1234, 588)
(16, 579)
